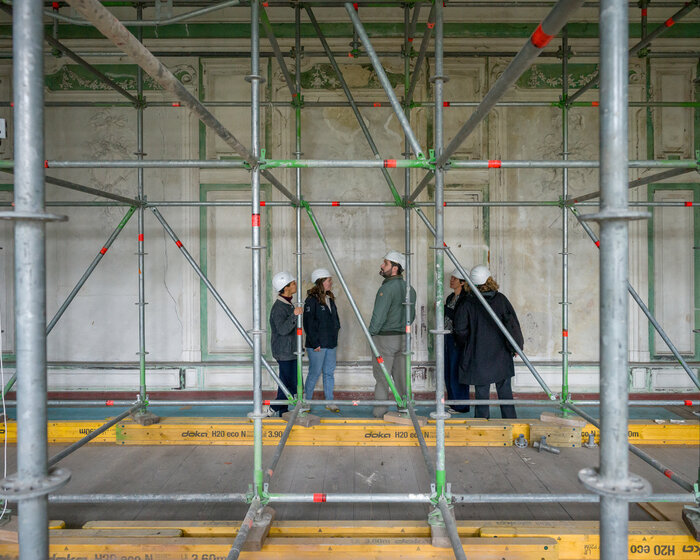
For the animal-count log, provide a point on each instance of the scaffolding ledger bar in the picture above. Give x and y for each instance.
(74, 499)
(361, 163)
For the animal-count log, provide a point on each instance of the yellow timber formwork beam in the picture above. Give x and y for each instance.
(348, 432)
(564, 540)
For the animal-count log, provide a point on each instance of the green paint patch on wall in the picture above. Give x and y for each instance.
(322, 76)
(74, 77)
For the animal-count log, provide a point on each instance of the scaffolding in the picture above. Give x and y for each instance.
(37, 477)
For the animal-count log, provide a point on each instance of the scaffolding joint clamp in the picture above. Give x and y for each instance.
(32, 216)
(631, 488)
(616, 214)
(16, 488)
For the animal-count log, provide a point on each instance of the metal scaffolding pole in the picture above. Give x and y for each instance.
(644, 308)
(439, 330)
(270, 471)
(92, 435)
(645, 42)
(217, 297)
(211, 498)
(549, 27)
(565, 219)
(111, 28)
(141, 246)
(278, 53)
(408, 27)
(612, 480)
(384, 80)
(427, 34)
(297, 102)
(636, 183)
(30, 280)
(659, 466)
(255, 246)
(246, 525)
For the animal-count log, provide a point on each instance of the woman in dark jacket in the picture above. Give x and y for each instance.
(321, 324)
(487, 356)
(455, 390)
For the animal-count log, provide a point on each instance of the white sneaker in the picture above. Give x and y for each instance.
(269, 411)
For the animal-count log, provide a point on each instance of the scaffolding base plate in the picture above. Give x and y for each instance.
(260, 529)
(691, 518)
(305, 420)
(404, 419)
(145, 418)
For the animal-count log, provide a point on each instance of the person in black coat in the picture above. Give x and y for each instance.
(321, 324)
(486, 354)
(455, 390)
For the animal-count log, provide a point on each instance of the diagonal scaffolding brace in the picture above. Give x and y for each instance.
(384, 80)
(111, 28)
(549, 27)
(218, 298)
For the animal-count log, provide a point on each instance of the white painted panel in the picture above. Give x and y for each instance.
(464, 231)
(674, 272)
(229, 269)
(674, 125)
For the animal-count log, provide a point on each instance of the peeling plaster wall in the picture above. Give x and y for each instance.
(521, 245)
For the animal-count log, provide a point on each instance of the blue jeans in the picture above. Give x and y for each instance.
(323, 360)
(288, 376)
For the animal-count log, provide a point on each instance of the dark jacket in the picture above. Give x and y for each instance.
(321, 323)
(450, 312)
(283, 325)
(486, 356)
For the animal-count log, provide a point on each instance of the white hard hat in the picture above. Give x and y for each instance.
(457, 274)
(320, 273)
(395, 256)
(479, 275)
(280, 280)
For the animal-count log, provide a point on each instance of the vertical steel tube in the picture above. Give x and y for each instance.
(565, 219)
(297, 121)
(141, 211)
(255, 245)
(439, 261)
(614, 514)
(30, 272)
(407, 191)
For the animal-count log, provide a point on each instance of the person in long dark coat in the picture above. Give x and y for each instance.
(486, 354)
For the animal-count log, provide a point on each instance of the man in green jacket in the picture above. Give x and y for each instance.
(388, 328)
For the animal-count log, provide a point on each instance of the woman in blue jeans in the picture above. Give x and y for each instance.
(321, 324)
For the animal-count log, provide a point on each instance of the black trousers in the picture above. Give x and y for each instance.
(288, 376)
(504, 391)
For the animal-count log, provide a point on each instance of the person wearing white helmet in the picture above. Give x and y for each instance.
(388, 328)
(321, 324)
(486, 354)
(283, 324)
(455, 390)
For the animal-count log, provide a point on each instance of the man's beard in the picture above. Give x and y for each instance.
(384, 274)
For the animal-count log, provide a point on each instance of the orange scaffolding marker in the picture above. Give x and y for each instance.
(539, 38)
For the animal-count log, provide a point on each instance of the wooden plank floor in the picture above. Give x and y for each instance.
(171, 469)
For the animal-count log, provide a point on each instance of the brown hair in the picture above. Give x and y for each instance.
(489, 286)
(318, 292)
